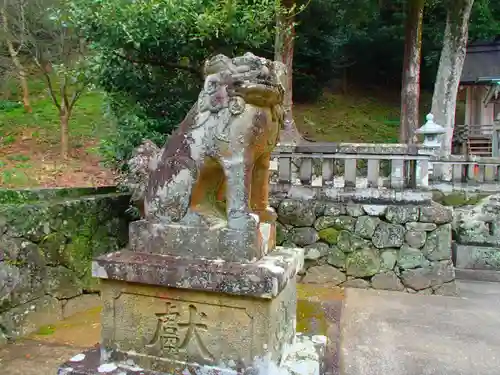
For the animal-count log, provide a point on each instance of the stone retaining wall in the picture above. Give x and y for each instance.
(477, 235)
(392, 247)
(47, 240)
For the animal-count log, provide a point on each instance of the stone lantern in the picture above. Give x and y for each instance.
(431, 132)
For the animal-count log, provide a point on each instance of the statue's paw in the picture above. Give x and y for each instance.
(267, 216)
(242, 220)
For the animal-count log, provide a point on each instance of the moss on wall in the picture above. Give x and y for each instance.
(20, 196)
(48, 238)
(457, 198)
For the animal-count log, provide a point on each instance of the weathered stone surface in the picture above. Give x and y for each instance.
(213, 241)
(140, 308)
(289, 244)
(46, 247)
(447, 289)
(365, 226)
(319, 207)
(388, 235)
(415, 239)
(433, 275)
(388, 259)
(24, 319)
(417, 279)
(356, 283)
(281, 233)
(402, 214)
(411, 258)
(296, 212)
(304, 236)
(326, 275)
(324, 222)
(306, 356)
(375, 209)
(79, 304)
(329, 235)
(334, 209)
(275, 200)
(436, 213)
(315, 251)
(10, 278)
(479, 224)
(387, 281)
(477, 257)
(349, 242)
(61, 282)
(438, 244)
(363, 263)
(344, 223)
(426, 292)
(420, 227)
(442, 272)
(336, 257)
(354, 210)
(265, 278)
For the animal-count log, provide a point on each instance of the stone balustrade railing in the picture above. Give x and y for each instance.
(472, 169)
(389, 166)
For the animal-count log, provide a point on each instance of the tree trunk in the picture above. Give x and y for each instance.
(283, 52)
(17, 63)
(444, 98)
(64, 121)
(410, 91)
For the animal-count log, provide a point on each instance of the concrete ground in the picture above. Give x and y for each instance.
(42, 354)
(382, 333)
(400, 334)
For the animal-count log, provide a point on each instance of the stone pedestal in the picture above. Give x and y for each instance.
(164, 311)
(213, 241)
(168, 313)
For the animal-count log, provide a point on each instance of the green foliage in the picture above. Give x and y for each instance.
(150, 55)
(377, 47)
(485, 20)
(7, 105)
(323, 30)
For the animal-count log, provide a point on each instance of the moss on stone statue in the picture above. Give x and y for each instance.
(329, 235)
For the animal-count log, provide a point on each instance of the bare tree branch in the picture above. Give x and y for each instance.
(158, 62)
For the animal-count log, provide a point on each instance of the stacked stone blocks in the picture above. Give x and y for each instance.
(391, 247)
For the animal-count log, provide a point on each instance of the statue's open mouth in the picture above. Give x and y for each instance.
(260, 92)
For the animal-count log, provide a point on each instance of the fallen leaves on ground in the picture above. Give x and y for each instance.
(27, 160)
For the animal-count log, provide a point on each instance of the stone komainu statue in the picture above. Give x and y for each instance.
(221, 150)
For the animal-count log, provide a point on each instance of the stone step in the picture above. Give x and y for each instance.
(476, 257)
(477, 275)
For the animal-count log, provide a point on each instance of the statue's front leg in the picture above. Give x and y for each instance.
(238, 171)
(259, 200)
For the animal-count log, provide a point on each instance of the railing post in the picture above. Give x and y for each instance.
(373, 173)
(495, 140)
(284, 170)
(422, 173)
(397, 173)
(350, 172)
